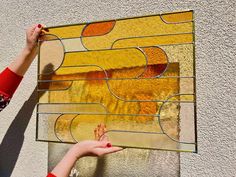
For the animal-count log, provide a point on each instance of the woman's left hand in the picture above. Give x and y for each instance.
(33, 33)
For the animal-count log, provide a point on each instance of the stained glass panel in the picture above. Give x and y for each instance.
(135, 75)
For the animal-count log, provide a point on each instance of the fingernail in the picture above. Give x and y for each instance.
(39, 26)
(109, 145)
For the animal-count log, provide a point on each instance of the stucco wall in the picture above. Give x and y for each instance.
(215, 20)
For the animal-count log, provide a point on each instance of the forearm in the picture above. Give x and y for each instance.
(22, 62)
(64, 167)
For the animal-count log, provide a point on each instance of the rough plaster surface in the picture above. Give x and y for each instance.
(215, 67)
(126, 163)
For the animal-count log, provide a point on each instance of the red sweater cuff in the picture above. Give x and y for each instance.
(51, 175)
(9, 81)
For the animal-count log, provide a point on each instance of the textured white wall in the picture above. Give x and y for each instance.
(215, 67)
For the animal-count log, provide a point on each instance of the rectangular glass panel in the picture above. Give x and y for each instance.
(134, 75)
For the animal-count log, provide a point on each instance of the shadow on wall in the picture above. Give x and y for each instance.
(13, 140)
(130, 162)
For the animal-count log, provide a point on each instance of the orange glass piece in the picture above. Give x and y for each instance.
(98, 29)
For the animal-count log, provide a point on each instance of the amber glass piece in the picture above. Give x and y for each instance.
(157, 61)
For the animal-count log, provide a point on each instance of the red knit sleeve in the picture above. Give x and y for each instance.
(51, 175)
(9, 81)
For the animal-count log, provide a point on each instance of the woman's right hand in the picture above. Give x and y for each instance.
(85, 148)
(98, 147)
(93, 148)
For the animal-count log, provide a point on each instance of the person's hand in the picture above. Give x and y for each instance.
(33, 33)
(98, 147)
(85, 148)
(93, 148)
(22, 62)
(99, 133)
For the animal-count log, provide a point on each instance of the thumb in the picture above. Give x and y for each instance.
(110, 150)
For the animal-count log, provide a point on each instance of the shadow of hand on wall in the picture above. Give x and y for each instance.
(13, 140)
(100, 167)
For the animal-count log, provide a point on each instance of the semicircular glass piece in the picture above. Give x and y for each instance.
(51, 54)
(62, 127)
(177, 118)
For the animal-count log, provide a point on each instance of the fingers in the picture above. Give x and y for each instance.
(93, 148)
(37, 31)
(101, 129)
(113, 149)
(99, 132)
(104, 151)
(30, 30)
(102, 144)
(96, 134)
(104, 137)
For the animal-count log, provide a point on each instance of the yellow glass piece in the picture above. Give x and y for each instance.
(71, 108)
(178, 17)
(62, 127)
(153, 40)
(107, 59)
(83, 125)
(151, 140)
(71, 31)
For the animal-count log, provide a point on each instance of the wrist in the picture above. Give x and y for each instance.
(76, 151)
(29, 53)
(26, 51)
